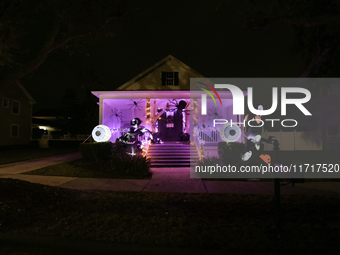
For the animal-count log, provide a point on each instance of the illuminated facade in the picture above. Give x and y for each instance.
(159, 96)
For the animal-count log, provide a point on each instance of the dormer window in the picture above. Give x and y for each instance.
(170, 79)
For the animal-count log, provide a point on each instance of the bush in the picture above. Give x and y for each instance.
(98, 152)
(113, 157)
(230, 153)
(209, 161)
(138, 166)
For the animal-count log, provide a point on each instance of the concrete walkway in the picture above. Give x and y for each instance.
(163, 180)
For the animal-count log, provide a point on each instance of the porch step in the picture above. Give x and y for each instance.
(174, 148)
(172, 154)
(170, 165)
(171, 160)
(166, 156)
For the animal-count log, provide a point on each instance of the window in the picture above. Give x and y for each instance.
(5, 102)
(16, 107)
(170, 79)
(14, 130)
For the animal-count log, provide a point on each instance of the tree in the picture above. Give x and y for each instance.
(32, 30)
(316, 24)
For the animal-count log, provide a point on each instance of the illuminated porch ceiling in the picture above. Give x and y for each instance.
(164, 94)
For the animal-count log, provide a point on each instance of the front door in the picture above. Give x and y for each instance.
(170, 126)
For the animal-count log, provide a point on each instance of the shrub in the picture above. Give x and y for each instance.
(138, 166)
(230, 153)
(209, 161)
(98, 152)
(129, 165)
(113, 157)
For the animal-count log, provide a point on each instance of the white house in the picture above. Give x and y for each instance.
(161, 97)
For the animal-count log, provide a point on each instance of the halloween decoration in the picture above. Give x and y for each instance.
(136, 105)
(133, 139)
(116, 114)
(101, 133)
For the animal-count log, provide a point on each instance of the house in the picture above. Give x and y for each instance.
(161, 97)
(16, 115)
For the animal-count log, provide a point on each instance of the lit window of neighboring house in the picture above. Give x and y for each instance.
(170, 79)
(5, 102)
(14, 130)
(16, 107)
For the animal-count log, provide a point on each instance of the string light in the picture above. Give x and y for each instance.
(148, 112)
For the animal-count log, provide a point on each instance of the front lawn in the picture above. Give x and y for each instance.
(217, 221)
(11, 155)
(83, 169)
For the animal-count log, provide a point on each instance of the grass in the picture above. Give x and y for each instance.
(83, 169)
(11, 155)
(206, 221)
(309, 157)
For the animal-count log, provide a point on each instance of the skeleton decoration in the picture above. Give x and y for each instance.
(133, 139)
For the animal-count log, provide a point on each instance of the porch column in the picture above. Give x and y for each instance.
(101, 111)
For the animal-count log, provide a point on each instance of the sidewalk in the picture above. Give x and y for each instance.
(163, 180)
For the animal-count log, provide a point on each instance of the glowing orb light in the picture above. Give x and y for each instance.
(230, 133)
(101, 133)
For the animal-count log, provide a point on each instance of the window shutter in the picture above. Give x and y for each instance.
(176, 78)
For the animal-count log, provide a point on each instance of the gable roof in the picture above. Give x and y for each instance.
(16, 88)
(151, 78)
(28, 95)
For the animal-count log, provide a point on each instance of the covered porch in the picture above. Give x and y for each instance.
(167, 114)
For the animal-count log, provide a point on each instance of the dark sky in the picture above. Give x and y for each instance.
(206, 35)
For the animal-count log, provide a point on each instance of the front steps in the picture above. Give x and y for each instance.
(172, 154)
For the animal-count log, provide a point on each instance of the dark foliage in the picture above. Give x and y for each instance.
(112, 157)
(230, 153)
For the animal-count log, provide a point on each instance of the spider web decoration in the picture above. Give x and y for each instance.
(116, 114)
(213, 112)
(181, 105)
(136, 105)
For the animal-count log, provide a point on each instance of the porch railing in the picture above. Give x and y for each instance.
(201, 137)
(116, 133)
(290, 141)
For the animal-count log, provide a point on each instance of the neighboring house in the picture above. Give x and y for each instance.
(44, 125)
(154, 96)
(16, 115)
(54, 124)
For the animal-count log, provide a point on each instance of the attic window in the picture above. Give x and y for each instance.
(170, 79)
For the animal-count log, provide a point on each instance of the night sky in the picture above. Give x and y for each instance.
(206, 35)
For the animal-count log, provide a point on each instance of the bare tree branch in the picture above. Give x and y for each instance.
(315, 61)
(51, 44)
